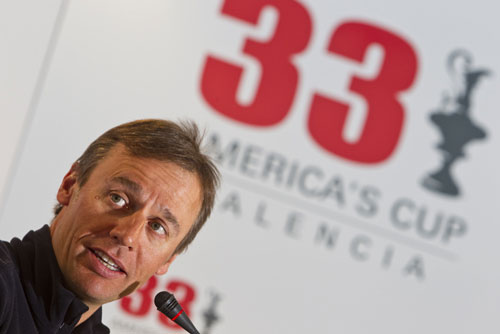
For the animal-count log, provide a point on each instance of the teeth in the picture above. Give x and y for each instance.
(106, 260)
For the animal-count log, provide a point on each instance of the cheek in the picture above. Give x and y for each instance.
(151, 260)
(93, 215)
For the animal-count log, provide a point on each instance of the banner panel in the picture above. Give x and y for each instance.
(356, 142)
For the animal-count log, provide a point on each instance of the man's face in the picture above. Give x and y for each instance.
(123, 225)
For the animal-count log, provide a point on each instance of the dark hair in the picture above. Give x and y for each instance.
(161, 140)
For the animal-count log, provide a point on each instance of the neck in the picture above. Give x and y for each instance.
(88, 314)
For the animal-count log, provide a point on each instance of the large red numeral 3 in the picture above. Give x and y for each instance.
(385, 115)
(278, 82)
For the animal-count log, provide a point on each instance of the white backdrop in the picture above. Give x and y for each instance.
(321, 225)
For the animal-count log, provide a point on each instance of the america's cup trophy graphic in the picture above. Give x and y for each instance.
(453, 119)
(210, 314)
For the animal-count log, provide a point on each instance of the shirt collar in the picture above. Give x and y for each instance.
(52, 304)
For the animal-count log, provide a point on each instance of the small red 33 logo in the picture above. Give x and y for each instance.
(140, 302)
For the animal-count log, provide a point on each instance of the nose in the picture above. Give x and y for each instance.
(128, 229)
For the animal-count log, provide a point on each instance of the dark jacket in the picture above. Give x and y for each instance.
(33, 298)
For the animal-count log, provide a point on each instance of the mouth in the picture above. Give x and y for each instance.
(107, 261)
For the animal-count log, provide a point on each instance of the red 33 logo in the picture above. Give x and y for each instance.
(140, 302)
(279, 79)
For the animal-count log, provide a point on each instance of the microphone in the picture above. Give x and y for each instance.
(168, 305)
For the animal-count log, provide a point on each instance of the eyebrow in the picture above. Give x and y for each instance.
(169, 216)
(137, 189)
(131, 185)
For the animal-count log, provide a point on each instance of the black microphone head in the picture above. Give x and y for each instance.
(167, 304)
(162, 297)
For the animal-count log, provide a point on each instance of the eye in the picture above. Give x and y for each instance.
(118, 200)
(158, 228)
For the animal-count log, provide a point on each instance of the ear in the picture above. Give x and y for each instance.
(164, 267)
(68, 186)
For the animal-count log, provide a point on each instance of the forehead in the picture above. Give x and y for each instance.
(118, 158)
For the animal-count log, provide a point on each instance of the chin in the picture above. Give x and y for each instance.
(94, 291)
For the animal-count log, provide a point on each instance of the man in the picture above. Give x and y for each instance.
(127, 207)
